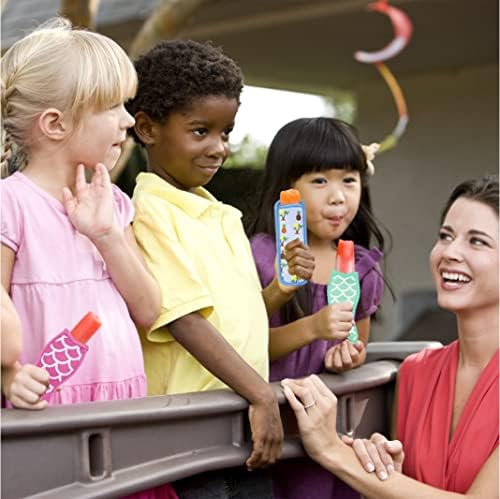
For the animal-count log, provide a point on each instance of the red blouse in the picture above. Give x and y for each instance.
(425, 406)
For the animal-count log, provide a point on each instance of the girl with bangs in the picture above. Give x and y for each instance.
(67, 244)
(323, 159)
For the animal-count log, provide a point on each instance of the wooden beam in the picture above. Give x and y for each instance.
(165, 22)
(81, 13)
(278, 16)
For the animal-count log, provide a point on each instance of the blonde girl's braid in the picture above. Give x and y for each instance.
(6, 143)
(25, 73)
(5, 154)
(13, 155)
(55, 66)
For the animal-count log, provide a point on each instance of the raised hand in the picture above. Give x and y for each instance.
(24, 385)
(267, 434)
(345, 356)
(91, 208)
(333, 322)
(378, 454)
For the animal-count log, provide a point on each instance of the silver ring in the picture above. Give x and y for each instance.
(312, 404)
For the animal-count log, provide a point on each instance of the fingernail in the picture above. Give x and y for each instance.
(383, 475)
(370, 467)
(390, 468)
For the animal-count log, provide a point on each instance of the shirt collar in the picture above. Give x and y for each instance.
(194, 202)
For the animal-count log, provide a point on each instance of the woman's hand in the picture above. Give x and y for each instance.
(345, 356)
(24, 385)
(333, 322)
(315, 407)
(378, 454)
(91, 208)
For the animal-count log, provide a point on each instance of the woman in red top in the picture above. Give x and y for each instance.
(447, 408)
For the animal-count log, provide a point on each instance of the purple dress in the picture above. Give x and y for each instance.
(303, 478)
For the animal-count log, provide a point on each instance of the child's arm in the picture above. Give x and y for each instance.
(128, 270)
(332, 322)
(21, 385)
(91, 211)
(275, 295)
(11, 342)
(300, 263)
(345, 356)
(205, 343)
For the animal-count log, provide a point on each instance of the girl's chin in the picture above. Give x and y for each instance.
(110, 164)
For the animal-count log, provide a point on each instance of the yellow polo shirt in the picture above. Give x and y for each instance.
(197, 250)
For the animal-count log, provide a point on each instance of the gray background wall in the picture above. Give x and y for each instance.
(452, 136)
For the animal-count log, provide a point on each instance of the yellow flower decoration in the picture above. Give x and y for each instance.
(370, 156)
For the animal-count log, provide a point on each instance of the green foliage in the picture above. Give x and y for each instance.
(343, 105)
(249, 153)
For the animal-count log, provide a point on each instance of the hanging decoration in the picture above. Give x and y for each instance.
(403, 29)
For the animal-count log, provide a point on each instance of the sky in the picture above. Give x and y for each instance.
(264, 111)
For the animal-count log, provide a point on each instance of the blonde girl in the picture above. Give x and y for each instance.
(67, 245)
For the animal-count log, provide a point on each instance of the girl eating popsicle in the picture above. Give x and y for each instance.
(323, 159)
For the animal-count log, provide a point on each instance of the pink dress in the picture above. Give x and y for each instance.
(425, 406)
(58, 277)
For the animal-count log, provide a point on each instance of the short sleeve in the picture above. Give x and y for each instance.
(264, 255)
(182, 291)
(11, 219)
(123, 206)
(371, 279)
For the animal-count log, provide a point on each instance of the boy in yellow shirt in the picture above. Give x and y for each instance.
(213, 329)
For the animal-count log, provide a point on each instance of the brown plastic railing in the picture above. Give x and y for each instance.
(110, 449)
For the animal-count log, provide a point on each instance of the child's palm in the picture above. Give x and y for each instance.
(345, 356)
(91, 209)
(23, 385)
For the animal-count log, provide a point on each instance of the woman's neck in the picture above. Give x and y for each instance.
(478, 336)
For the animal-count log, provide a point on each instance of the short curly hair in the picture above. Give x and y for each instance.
(175, 72)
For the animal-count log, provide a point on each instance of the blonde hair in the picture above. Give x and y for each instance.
(72, 70)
